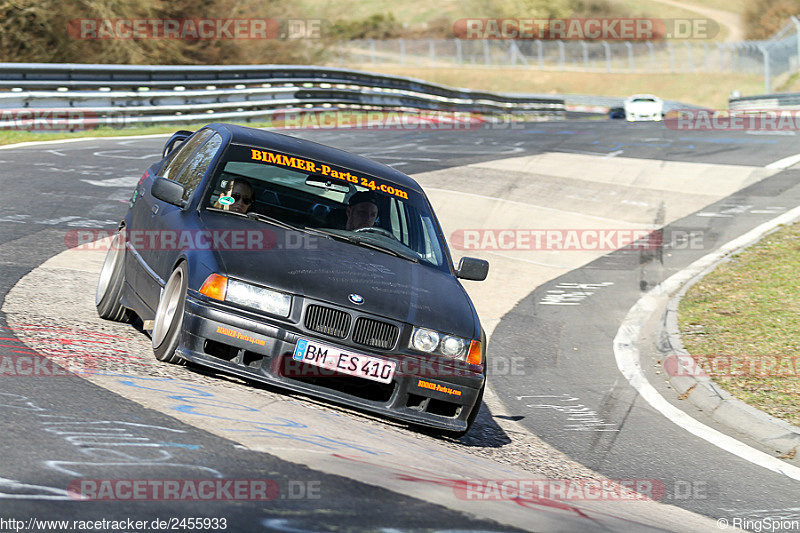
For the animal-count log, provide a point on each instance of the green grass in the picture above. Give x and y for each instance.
(746, 312)
(15, 136)
(325, 120)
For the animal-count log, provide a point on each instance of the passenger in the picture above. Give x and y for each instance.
(241, 191)
(362, 211)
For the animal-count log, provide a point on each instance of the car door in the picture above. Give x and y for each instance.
(182, 224)
(146, 221)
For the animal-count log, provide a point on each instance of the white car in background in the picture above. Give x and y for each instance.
(643, 107)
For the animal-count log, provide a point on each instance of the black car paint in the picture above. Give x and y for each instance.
(405, 292)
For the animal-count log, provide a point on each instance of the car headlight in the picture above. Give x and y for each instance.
(452, 346)
(424, 340)
(238, 292)
(429, 341)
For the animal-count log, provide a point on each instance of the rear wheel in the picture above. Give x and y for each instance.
(109, 286)
(168, 323)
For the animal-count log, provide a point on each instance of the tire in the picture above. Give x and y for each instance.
(109, 285)
(472, 416)
(168, 323)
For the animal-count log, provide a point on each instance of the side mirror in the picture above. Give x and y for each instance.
(177, 137)
(472, 269)
(168, 191)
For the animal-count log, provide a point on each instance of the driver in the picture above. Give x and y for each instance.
(241, 191)
(362, 211)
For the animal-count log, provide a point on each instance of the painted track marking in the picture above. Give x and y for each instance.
(627, 354)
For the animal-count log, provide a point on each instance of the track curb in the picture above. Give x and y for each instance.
(709, 397)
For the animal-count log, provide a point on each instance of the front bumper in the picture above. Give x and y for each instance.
(216, 336)
(643, 117)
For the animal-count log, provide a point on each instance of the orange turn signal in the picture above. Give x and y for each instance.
(474, 355)
(215, 286)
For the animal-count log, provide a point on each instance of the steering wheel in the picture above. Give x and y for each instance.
(373, 229)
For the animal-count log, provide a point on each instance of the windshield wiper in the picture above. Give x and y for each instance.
(261, 218)
(276, 221)
(376, 246)
(328, 234)
(368, 244)
(218, 210)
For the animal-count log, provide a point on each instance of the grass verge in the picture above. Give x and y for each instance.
(19, 136)
(740, 324)
(704, 89)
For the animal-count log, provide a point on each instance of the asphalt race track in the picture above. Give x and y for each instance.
(552, 318)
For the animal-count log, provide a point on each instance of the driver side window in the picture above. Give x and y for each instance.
(181, 155)
(193, 172)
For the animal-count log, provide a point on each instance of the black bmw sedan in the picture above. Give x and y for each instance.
(300, 265)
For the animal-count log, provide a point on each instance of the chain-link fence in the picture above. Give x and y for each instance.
(772, 57)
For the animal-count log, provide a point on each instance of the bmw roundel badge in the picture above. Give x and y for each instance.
(356, 299)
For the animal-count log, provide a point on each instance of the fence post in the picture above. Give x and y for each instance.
(561, 54)
(671, 53)
(631, 65)
(518, 54)
(689, 58)
(487, 60)
(706, 64)
(585, 55)
(608, 55)
(432, 52)
(765, 52)
(402, 51)
(652, 55)
(539, 52)
(459, 56)
(796, 22)
(372, 50)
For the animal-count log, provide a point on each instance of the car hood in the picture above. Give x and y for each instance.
(330, 270)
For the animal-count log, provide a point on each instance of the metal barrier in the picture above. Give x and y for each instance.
(765, 101)
(130, 94)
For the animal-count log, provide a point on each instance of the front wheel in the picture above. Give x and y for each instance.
(169, 316)
(109, 286)
(472, 416)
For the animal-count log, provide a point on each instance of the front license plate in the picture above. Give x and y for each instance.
(344, 362)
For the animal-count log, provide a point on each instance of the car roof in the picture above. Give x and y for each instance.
(319, 152)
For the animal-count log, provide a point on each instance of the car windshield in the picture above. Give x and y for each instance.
(643, 100)
(335, 202)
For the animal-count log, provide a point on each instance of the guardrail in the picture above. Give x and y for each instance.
(765, 101)
(131, 94)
